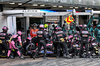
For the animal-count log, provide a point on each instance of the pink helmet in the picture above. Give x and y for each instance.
(77, 32)
(59, 28)
(93, 39)
(70, 37)
(19, 32)
(56, 28)
(45, 29)
(85, 25)
(5, 28)
(29, 38)
(80, 25)
(41, 26)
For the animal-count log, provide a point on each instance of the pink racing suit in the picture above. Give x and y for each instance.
(12, 44)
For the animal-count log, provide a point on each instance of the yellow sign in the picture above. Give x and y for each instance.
(69, 19)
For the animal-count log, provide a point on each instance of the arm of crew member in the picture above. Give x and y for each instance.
(65, 37)
(31, 33)
(19, 39)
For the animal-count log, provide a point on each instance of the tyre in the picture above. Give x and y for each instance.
(4, 54)
(30, 47)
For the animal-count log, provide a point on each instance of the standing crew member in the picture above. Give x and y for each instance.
(3, 39)
(41, 35)
(12, 42)
(33, 34)
(84, 41)
(60, 43)
(97, 34)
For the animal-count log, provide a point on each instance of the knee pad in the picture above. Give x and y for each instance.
(16, 50)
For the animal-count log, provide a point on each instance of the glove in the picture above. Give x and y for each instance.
(89, 36)
(0, 41)
(62, 39)
(21, 44)
(66, 38)
(10, 40)
(94, 37)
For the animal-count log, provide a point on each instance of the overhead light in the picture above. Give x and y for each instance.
(71, 7)
(19, 3)
(76, 7)
(86, 8)
(55, 6)
(35, 5)
(89, 8)
(12, 3)
(60, 6)
(30, 15)
(42, 5)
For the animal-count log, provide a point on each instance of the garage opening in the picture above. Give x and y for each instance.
(21, 25)
(37, 20)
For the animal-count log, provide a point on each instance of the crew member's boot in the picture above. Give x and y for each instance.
(66, 56)
(21, 57)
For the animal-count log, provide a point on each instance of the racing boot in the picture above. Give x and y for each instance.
(8, 57)
(36, 55)
(33, 56)
(88, 56)
(66, 56)
(57, 56)
(80, 56)
(45, 56)
(21, 57)
(12, 57)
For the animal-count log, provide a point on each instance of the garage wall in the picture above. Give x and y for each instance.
(8, 21)
(11, 21)
(3, 21)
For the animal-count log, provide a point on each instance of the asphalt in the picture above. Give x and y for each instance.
(51, 61)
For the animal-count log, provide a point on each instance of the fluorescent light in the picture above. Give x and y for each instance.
(30, 15)
(12, 3)
(54, 6)
(35, 5)
(71, 7)
(86, 8)
(89, 8)
(60, 6)
(76, 7)
(42, 5)
(19, 3)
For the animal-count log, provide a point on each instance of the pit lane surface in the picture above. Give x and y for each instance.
(50, 62)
